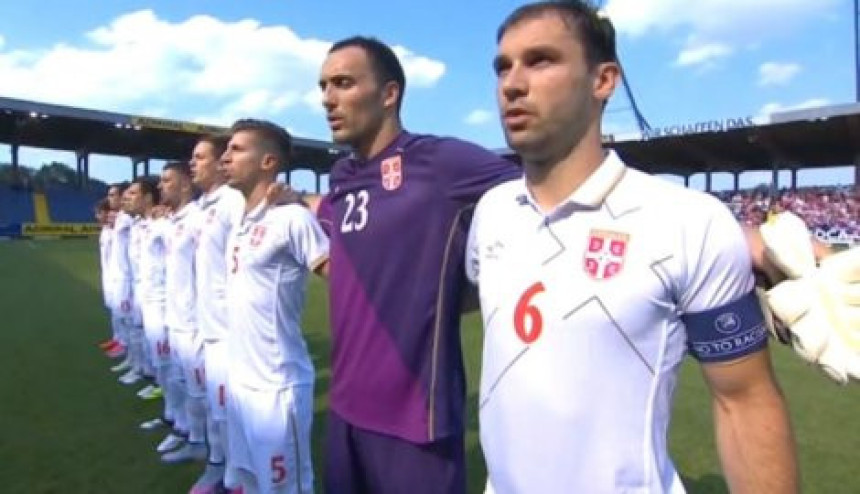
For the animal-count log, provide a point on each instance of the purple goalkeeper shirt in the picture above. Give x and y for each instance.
(398, 226)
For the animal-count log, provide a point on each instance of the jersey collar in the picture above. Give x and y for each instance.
(590, 195)
(182, 213)
(256, 213)
(211, 198)
(395, 146)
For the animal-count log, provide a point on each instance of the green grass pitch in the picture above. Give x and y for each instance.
(67, 426)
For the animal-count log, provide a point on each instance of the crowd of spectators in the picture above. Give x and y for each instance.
(826, 210)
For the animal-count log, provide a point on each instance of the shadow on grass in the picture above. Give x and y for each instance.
(706, 484)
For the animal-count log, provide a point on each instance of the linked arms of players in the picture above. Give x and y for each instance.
(753, 433)
(819, 303)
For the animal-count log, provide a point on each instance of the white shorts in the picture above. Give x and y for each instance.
(156, 333)
(215, 353)
(188, 357)
(269, 436)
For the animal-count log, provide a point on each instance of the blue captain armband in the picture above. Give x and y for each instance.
(726, 333)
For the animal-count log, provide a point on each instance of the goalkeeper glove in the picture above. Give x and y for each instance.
(820, 305)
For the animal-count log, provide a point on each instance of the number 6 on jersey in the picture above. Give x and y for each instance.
(528, 321)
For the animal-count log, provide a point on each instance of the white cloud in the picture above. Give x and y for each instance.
(718, 27)
(201, 68)
(478, 117)
(702, 54)
(768, 109)
(775, 73)
(313, 100)
(713, 17)
(420, 71)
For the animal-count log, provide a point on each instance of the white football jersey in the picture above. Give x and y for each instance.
(120, 276)
(219, 211)
(269, 256)
(587, 314)
(105, 240)
(180, 311)
(153, 261)
(135, 244)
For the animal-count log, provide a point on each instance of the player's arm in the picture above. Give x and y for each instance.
(280, 195)
(752, 427)
(467, 171)
(470, 301)
(726, 333)
(308, 243)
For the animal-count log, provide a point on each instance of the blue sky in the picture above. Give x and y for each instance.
(212, 62)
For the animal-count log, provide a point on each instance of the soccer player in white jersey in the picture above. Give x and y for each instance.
(221, 207)
(152, 298)
(112, 347)
(120, 278)
(135, 203)
(105, 222)
(595, 280)
(269, 256)
(186, 377)
(148, 271)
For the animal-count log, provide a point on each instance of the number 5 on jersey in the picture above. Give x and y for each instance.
(356, 215)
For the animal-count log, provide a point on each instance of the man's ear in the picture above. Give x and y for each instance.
(391, 94)
(606, 76)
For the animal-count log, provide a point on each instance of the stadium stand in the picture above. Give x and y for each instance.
(71, 206)
(40, 208)
(16, 206)
(831, 213)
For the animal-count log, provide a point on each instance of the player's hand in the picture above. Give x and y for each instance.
(819, 304)
(160, 211)
(279, 195)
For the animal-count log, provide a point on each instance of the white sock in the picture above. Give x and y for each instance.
(196, 410)
(175, 401)
(213, 437)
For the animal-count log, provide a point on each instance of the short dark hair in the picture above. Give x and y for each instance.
(149, 186)
(119, 185)
(103, 205)
(384, 62)
(218, 141)
(595, 32)
(180, 167)
(272, 134)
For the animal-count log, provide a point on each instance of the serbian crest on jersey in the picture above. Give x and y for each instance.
(604, 254)
(392, 172)
(210, 217)
(257, 235)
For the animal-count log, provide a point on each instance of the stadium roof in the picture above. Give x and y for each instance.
(818, 137)
(814, 138)
(41, 125)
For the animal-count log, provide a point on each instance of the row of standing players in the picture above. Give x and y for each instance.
(590, 298)
(178, 272)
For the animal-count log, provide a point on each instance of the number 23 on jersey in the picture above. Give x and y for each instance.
(356, 216)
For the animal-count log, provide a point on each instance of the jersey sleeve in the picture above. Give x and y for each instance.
(307, 242)
(473, 248)
(468, 170)
(325, 214)
(122, 244)
(720, 310)
(231, 211)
